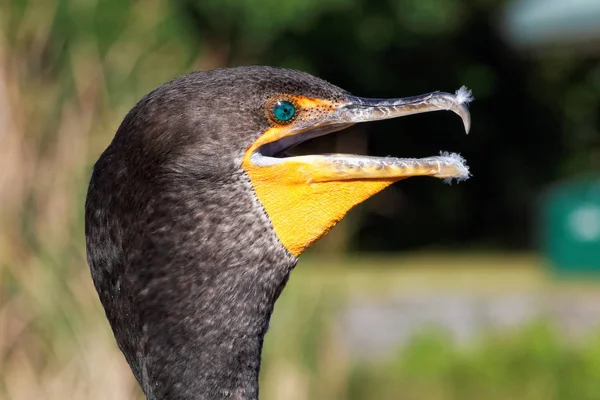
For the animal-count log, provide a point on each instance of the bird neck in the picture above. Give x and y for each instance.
(213, 349)
(207, 295)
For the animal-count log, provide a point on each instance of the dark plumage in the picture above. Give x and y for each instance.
(182, 253)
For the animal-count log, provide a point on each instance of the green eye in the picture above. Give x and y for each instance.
(284, 111)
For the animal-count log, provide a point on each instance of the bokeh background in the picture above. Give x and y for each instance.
(482, 290)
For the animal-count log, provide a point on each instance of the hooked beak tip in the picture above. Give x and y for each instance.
(463, 97)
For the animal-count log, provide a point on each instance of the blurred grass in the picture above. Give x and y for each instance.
(64, 87)
(305, 357)
(531, 364)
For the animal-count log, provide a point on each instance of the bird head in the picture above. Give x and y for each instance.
(241, 120)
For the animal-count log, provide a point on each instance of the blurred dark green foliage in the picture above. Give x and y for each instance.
(535, 117)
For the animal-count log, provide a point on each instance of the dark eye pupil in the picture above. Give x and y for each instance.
(284, 111)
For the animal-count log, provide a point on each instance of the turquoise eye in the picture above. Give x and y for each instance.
(284, 111)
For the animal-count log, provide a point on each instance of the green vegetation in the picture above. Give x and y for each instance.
(305, 357)
(533, 364)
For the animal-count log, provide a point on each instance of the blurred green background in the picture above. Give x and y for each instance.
(426, 291)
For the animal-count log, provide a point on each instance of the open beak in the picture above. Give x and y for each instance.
(328, 167)
(305, 196)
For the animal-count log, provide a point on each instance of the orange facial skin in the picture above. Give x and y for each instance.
(301, 203)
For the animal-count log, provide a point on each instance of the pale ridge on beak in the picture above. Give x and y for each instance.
(362, 109)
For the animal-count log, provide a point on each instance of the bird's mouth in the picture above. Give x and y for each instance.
(306, 195)
(335, 117)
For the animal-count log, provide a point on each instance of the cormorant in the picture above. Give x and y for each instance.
(195, 215)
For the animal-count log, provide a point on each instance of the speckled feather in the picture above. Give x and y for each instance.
(182, 254)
